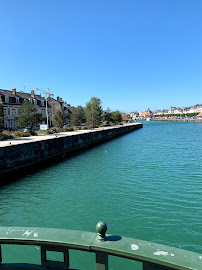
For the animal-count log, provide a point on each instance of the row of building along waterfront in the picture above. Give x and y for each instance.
(173, 110)
(11, 101)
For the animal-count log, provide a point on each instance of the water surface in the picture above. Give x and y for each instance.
(145, 184)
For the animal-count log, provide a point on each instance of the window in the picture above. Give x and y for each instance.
(12, 100)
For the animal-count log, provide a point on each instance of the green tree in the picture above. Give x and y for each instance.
(93, 111)
(59, 119)
(78, 116)
(116, 117)
(108, 116)
(28, 116)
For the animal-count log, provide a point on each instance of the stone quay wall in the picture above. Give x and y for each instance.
(18, 154)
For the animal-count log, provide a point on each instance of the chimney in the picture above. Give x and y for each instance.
(32, 93)
(14, 91)
(58, 99)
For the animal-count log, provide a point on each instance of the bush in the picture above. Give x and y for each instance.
(6, 135)
(59, 130)
(18, 134)
(85, 127)
(41, 132)
(33, 133)
(49, 131)
(105, 125)
(68, 129)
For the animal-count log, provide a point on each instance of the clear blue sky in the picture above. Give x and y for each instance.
(132, 54)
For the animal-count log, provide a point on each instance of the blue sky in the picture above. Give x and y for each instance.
(132, 54)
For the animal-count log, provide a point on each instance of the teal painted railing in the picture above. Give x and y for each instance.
(153, 256)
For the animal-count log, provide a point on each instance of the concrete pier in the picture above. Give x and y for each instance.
(23, 152)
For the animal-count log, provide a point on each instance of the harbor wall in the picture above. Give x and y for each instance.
(15, 157)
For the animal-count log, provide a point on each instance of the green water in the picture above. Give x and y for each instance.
(146, 184)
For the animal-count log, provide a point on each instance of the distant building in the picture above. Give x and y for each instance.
(199, 116)
(134, 115)
(184, 110)
(165, 111)
(196, 108)
(125, 118)
(192, 109)
(158, 112)
(146, 114)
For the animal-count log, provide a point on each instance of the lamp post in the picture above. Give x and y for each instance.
(46, 111)
(48, 94)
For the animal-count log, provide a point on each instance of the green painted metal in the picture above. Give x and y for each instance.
(101, 261)
(54, 264)
(46, 237)
(101, 228)
(154, 256)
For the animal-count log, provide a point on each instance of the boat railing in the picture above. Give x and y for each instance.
(153, 256)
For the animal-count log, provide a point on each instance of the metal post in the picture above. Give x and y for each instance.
(47, 95)
(46, 112)
(0, 255)
(101, 261)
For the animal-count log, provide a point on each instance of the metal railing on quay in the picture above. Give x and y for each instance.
(153, 256)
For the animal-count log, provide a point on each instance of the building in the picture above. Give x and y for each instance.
(158, 112)
(134, 115)
(11, 101)
(59, 105)
(146, 114)
(196, 108)
(192, 109)
(125, 118)
(199, 116)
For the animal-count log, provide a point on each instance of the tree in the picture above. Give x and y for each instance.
(78, 116)
(93, 111)
(28, 116)
(117, 117)
(59, 120)
(108, 116)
